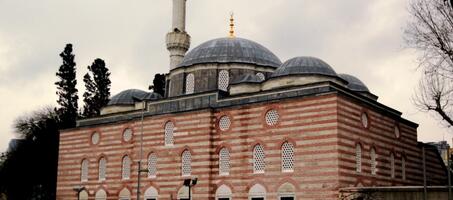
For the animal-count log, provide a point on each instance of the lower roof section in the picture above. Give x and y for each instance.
(218, 100)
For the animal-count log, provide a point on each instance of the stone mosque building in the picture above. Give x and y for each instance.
(246, 126)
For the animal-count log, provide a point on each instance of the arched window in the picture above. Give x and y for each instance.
(403, 167)
(259, 164)
(152, 165)
(169, 129)
(183, 193)
(287, 157)
(83, 195)
(186, 159)
(190, 83)
(286, 191)
(126, 168)
(100, 195)
(102, 169)
(151, 194)
(125, 194)
(224, 80)
(373, 161)
(257, 192)
(223, 193)
(84, 170)
(358, 158)
(224, 162)
(392, 165)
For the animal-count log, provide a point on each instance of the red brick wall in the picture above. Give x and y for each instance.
(380, 135)
(323, 129)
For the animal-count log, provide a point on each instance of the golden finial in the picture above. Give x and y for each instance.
(232, 25)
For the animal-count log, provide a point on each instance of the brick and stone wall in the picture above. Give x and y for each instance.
(323, 129)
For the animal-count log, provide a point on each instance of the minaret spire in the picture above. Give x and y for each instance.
(232, 25)
(178, 41)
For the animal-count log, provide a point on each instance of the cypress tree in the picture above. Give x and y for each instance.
(97, 88)
(66, 89)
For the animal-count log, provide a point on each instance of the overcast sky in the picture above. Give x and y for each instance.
(362, 38)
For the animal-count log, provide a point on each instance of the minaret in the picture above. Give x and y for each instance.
(178, 41)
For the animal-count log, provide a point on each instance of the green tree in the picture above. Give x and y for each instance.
(66, 89)
(29, 171)
(158, 84)
(97, 91)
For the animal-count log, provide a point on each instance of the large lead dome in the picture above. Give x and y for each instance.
(231, 50)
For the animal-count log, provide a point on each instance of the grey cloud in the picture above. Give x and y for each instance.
(363, 38)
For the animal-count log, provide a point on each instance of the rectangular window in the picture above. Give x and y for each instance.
(223, 199)
(286, 198)
(257, 198)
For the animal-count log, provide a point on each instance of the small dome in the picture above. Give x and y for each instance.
(131, 96)
(304, 65)
(354, 83)
(231, 50)
(246, 78)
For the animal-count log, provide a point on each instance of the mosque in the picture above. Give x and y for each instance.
(237, 123)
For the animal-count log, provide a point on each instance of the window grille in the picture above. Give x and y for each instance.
(364, 119)
(403, 167)
(224, 162)
(272, 117)
(392, 165)
(84, 170)
(358, 158)
(373, 161)
(261, 76)
(126, 168)
(186, 168)
(287, 157)
(224, 79)
(95, 138)
(224, 123)
(102, 169)
(169, 129)
(259, 164)
(152, 165)
(190, 83)
(127, 135)
(397, 132)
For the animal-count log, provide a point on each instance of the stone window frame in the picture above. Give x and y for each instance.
(123, 140)
(152, 153)
(392, 162)
(228, 162)
(223, 84)
(293, 159)
(374, 170)
(189, 87)
(102, 171)
(92, 135)
(257, 161)
(172, 135)
(126, 170)
(358, 157)
(84, 170)
(219, 122)
(186, 163)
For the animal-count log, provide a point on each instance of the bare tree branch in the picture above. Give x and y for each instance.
(430, 31)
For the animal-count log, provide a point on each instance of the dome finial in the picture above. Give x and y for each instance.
(232, 25)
